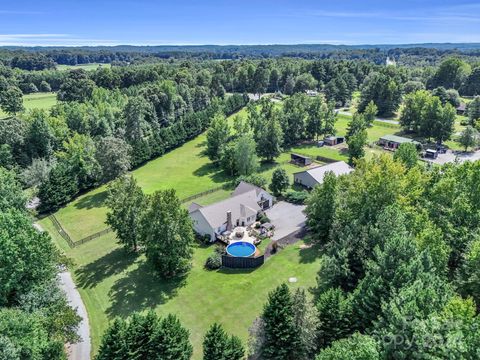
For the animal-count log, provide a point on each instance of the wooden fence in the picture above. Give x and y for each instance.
(199, 195)
(242, 262)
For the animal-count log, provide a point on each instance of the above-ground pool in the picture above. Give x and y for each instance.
(241, 249)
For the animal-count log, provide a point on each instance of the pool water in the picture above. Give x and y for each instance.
(241, 249)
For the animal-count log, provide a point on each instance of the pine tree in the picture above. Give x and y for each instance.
(113, 345)
(281, 335)
(306, 321)
(171, 340)
(215, 343)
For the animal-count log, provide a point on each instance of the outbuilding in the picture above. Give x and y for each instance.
(461, 109)
(300, 159)
(392, 142)
(312, 177)
(333, 140)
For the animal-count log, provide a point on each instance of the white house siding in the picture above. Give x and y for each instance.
(201, 226)
(266, 195)
(305, 179)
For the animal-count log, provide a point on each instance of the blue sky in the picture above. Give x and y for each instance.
(149, 22)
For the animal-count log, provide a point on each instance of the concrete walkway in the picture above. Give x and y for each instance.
(80, 350)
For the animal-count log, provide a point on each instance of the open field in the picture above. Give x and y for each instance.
(87, 67)
(113, 283)
(37, 101)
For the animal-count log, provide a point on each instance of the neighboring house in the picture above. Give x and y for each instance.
(240, 209)
(311, 92)
(312, 177)
(461, 109)
(392, 142)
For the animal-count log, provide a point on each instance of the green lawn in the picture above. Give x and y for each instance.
(37, 101)
(113, 283)
(87, 67)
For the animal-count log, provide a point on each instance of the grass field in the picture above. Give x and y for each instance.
(113, 283)
(87, 67)
(37, 101)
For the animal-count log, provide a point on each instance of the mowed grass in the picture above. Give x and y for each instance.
(114, 283)
(43, 101)
(185, 169)
(87, 67)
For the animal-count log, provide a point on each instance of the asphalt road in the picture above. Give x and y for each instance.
(80, 350)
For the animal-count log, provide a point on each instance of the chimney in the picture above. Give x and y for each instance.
(229, 221)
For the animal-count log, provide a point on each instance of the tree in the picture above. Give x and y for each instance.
(11, 100)
(450, 74)
(321, 207)
(60, 187)
(113, 345)
(469, 137)
(77, 87)
(280, 181)
(407, 154)
(471, 86)
(217, 345)
(334, 314)
(40, 139)
(305, 82)
(45, 86)
(383, 90)
(126, 203)
(79, 155)
(356, 138)
(469, 273)
(11, 194)
(358, 347)
(306, 321)
(28, 257)
(113, 156)
(412, 114)
(294, 118)
(317, 112)
(281, 335)
(474, 110)
(171, 340)
(269, 138)
(167, 233)
(217, 136)
(370, 113)
(246, 161)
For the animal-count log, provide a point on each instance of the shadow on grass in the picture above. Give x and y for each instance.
(111, 264)
(310, 254)
(224, 270)
(92, 201)
(140, 289)
(214, 172)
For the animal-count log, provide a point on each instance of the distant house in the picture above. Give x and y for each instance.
(240, 209)
(312, 177)
(311, 92)
(333, 140)
(461, 109)
(300, 159)
(392, 142)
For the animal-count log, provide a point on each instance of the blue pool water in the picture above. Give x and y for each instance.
(241, 249)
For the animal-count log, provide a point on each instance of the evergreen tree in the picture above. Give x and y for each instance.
(59, 189)
(113, 345)
(306, 321)
(281, 334)
(358, 347)
(469, 273)
(280, 181)
(321, 208)
(217, 345)
(171, 340)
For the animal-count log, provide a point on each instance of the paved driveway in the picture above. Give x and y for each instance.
(287, 218)
(452, 156)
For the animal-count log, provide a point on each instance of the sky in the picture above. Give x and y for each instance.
(222, 22)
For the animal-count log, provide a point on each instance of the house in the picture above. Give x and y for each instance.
(312, 177)
(333, 140)
(461, 109)
(392, 142)
(300, 159)
(241, 209)
(311, 93)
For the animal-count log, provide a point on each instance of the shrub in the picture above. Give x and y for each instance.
(214, 261)
(296, 197)
(264, 219)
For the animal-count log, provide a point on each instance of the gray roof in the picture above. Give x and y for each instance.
(244, 187)
(338, 168)
(398, 139)
(194, 206)
(241, 205)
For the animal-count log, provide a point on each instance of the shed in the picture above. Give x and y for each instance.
(430, 153)
(393, 141)
(334, 140)
(461, 109)
(300, 159)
